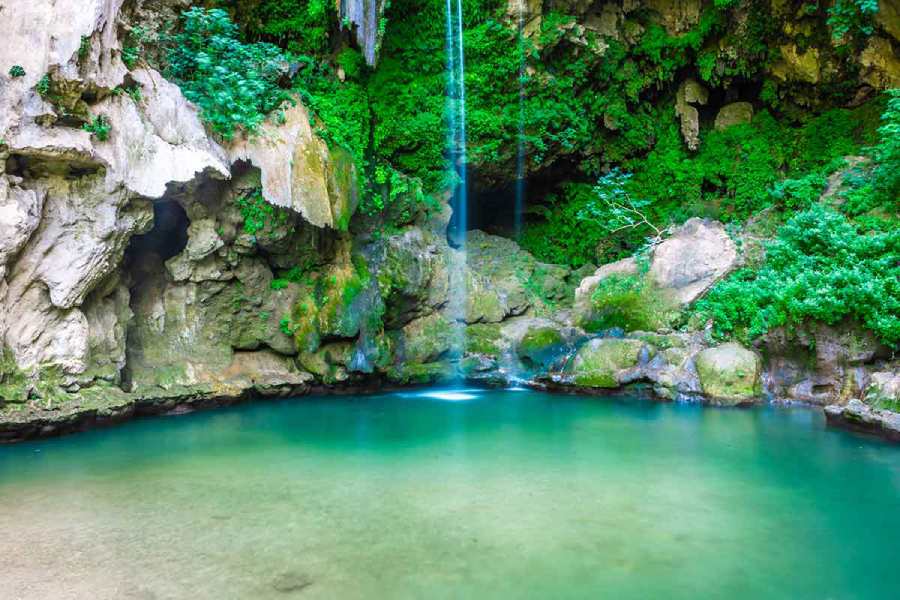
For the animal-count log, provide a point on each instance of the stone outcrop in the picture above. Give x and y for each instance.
(690, 93)
(736, 113)
(300, 172)
(682, 268)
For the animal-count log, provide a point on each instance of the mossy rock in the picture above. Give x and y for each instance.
(422, 373)
(540, 346)
(483, 338)
(729, 374)
(632, 303)
(328, 363)
(427, 339)
(883, 391)
(600, 361)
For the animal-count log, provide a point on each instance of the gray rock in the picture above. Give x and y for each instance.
(736, 113)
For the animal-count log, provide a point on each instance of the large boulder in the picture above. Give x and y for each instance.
(698, 254)
(541, 346)
(682, 269)
(607, 362)
(729, 374)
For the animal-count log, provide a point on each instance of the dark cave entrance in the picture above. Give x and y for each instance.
(491, 206)
(145, 267)
(166, 239)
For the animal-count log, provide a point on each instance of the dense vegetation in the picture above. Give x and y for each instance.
(595, 113)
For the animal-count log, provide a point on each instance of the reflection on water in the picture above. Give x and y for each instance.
(418, 494)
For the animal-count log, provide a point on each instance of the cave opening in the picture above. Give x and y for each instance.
(167, 238)
(145, 268)
(492, 205)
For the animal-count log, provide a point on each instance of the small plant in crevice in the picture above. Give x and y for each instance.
(99, 127)
(133, 47)
(16, 71)
(260, 216)
(84, 48)
(43, 86)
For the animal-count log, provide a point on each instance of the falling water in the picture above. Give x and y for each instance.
(456, 150)
(520, 150)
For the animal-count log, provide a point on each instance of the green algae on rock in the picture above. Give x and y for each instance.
(729, 374)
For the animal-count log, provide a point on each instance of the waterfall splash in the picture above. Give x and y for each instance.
(520, 149)
(456, 150)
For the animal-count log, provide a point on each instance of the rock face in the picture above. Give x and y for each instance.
(729, 374)
(300, 172)
(363, 17)
(821, 364)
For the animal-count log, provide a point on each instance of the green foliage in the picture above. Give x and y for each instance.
(84, 47)
(16, 71)
(878, 187)
(43, 86)
(852, 17)
(299, 26)
(734, 174)
(235, 84)
(133, 47)
(260, 216)
(799, 193)
(562, 237)
(821, 267)
(99, 127)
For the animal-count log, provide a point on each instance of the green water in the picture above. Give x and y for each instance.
(505, 495)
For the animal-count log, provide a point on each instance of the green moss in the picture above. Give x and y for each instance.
(482, 338)
(14, 383)
(598, 362)
(632, 303)
(420, 373)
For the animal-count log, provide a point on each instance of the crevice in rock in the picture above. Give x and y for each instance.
(40, 167)
(144, 264)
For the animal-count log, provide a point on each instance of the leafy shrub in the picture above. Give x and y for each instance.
(850, 17)
(43, 86)
(876, 186)
(16, 71)
(300, 26)
(133, 47)
(821, 268)
(99, 127)
(800, 192)
(260, 216)
(235, 84)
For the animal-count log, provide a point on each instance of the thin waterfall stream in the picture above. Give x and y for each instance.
(520, 146)
(456, 152)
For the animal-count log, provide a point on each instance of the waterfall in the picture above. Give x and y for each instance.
(520, 146)
(456, 151)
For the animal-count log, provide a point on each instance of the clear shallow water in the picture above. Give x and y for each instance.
(511, 494)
